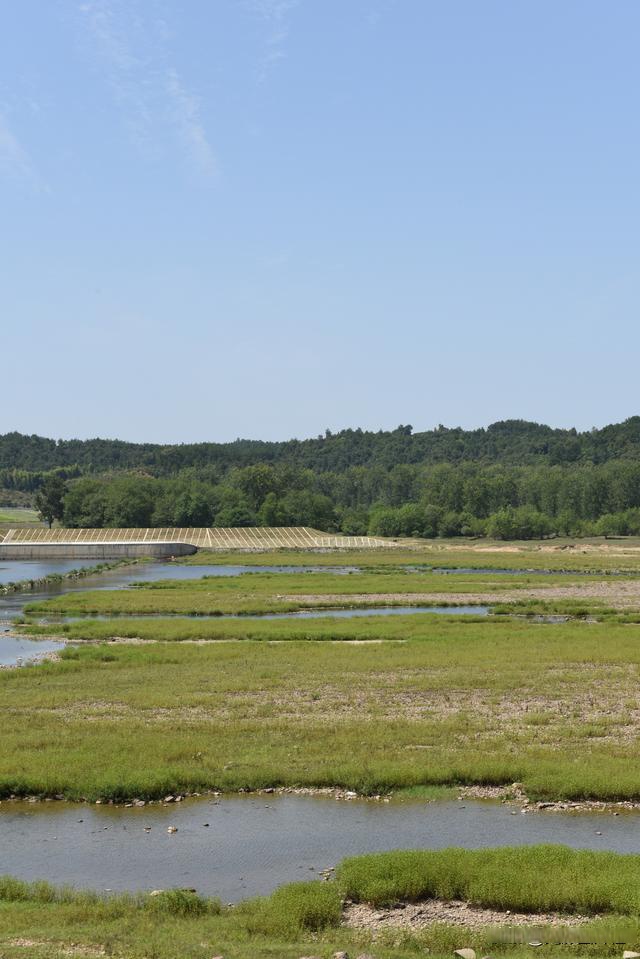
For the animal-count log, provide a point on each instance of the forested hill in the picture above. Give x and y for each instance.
(511, 442)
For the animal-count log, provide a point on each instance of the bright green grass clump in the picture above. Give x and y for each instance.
(526, 879)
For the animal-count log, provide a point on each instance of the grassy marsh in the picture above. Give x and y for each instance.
(592, 555)
(288, 592)
(556, 707)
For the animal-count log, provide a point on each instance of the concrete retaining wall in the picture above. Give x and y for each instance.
(98, 551)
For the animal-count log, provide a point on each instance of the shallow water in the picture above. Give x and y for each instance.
(14, 571)
(254, 844)
(298, 614)
(12, 604)
(15, 649)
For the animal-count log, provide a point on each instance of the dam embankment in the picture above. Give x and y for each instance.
(97, 551)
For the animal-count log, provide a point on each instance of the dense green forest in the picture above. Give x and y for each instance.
(511, 480)
(516, 442)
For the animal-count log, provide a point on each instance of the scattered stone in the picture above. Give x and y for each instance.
(417, 915)
(172, 829)
(168, 799)
(465, 953)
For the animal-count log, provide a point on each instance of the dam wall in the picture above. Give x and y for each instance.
(40, 543)
(98, 551)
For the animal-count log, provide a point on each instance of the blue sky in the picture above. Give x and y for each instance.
(264, 218)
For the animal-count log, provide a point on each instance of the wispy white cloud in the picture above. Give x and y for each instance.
(130, 40)
(377, 11)
(15, 161)
(275, 16)
(185, 108)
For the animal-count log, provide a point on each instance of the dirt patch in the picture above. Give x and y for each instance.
(619, 594)
(454, 913)
(63, 948)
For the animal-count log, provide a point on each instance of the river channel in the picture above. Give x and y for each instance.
(236, 847)
(15, 650)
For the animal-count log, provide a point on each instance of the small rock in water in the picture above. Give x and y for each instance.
(172, 829)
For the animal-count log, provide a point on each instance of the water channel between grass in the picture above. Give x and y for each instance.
(19, 650)
(237, 847)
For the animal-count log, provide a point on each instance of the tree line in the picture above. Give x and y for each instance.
(466, 499)
(513, 442)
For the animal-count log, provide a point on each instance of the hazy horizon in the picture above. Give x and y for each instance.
(285, 439)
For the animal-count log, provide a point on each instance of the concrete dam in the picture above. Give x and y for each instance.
(38, 543)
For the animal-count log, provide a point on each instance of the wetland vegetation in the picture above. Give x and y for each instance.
(555, 707)
(141, 708)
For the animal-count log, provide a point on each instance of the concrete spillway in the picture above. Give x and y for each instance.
(165, 542)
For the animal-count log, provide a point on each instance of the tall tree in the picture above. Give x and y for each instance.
(50, 499)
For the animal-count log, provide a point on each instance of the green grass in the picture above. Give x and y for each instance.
(166, 629)
(279, 592)
(555, 707)
(18, 516)
(593, 555)
(525, 879)
(304, 918)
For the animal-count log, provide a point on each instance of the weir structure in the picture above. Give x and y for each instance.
(38, 543)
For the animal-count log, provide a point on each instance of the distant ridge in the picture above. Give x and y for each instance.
(514, 442)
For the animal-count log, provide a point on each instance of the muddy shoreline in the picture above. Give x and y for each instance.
(513, 796)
